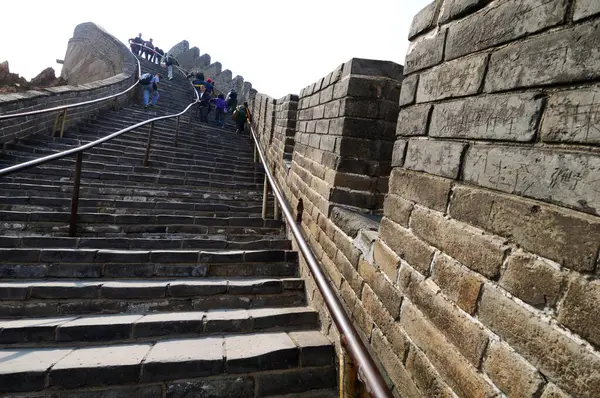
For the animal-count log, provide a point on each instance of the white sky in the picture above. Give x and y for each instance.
(278, 45)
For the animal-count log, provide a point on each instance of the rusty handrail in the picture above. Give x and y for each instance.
(367, 369)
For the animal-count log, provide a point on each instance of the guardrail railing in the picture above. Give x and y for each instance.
(79, 151)
(365, 366)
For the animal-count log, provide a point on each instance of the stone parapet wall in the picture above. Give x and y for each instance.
(89, 42)
(481, 278)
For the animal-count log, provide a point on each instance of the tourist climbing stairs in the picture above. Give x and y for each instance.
(173, 285)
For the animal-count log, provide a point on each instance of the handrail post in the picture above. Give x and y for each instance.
(255, 154)
(265, 194)
(276, 213)
(177, 132)
(75, 194)
(64, 120)
(348, 375)
(147, 155)
(62, 115)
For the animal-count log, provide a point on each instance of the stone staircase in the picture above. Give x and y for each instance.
(174, 286)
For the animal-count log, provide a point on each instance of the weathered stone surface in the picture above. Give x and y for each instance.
(563, 56)
(413, 121)
(410, 248)
(385, 290)
(480, 252)
(386, 259)
(425, 19)
(552, 391)
(25, 369)
(573, 116)
(421, 188)
(398, 153)
(152, 391)
(511, 373)
(397, 209)
(179, 359)
(424, 375)
(242, 387)
(456, 78)
(564, 361)
(461, 330)
(425, 52)
(585, 8)
(249, 353)
(409, 90)
(393, 365)
(457, 282)
(372, 67)
(533, 280)
(434, 157)
(30, 330)
(169, 323)
(315, 348)
(295, 381)
(498, 24)
(579, 310)
(453, 9)
(351, 222)
(93, 366)
(461, 376)
(566, 178)
(497, 117)
(97, 328)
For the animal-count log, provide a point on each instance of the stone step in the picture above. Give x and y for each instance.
(140, 219)
(104, 263)
(49, 298)
(119, 328)
(138, 193)
(60, 240)
(247, 365)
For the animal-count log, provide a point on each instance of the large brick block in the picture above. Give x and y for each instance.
(413, 121)
(386, 259)
(397, 209)
(393, 365)
(561, 359)
(580, 309)
(385, 290)
(552, 391)
(409, 90)
(497, 24)
(457, 372)
(510, 372)
(478, 251)
(441, 158)
(372, 67)
(425, 52)
(564, 177)
(532, 225)
(512, 117)
(454, 9)
(424, 375)
(459, 328)
(533, 280)
(429, 191)
(573, 116)
(457, 282)
(561, 56)
(425, 19)
(457, 78)
(410, 248)
(585, 8)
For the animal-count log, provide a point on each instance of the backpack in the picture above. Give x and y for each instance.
(146, 78)
(239, 114)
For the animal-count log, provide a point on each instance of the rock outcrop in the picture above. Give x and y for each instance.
(12, 82)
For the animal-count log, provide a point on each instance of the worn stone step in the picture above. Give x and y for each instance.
(103, 263)
(20, 239)
(264, 364)
(140, 219)
(148, 327)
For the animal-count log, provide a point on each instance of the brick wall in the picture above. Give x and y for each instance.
(481, 279)
(491, 231)
(89, 42)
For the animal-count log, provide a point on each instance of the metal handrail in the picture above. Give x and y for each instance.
(78, 104)
(349, 336)
(80, 149)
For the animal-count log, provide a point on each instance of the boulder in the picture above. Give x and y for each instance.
(45, 79)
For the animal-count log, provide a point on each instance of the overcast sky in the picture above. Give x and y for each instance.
(278, 45)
